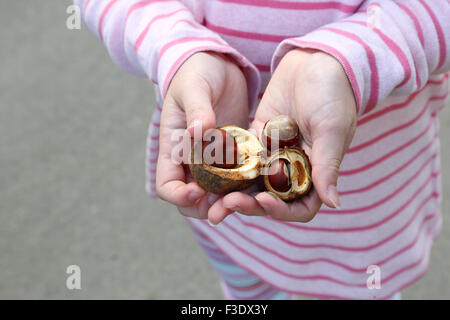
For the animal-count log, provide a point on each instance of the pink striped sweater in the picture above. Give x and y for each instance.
(396, 55)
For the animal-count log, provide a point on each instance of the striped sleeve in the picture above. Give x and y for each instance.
(386, 47)
(152, 38)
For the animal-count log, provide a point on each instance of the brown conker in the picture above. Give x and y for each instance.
(288, 174)
(279, 132)
(279, 175)
(221, 150)
(224, 180)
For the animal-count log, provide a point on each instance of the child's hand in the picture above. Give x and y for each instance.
(313, 88)
(208, 90)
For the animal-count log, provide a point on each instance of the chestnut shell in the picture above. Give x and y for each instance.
(300, 171)
(220, 180)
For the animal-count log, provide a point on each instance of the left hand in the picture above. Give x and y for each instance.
(311, 87)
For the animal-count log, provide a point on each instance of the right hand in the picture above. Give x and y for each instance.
(208, 90)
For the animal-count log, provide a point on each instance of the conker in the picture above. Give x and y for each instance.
(279, 176)
(235, 160)
(221, 151)
(217, 179)
(281, 130)
(288, 174)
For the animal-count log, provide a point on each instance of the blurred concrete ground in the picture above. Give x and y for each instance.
(72, 147)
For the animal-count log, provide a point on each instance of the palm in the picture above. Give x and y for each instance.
(316, 93)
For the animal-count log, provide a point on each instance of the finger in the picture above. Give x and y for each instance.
(328, 149)
(171, 184)
(266, 110)
(217, 213)
(243, 203)
(199, 210)
(303, 210)
(196, 100)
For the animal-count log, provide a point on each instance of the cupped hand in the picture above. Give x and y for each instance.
(311, 87)
(208, 90)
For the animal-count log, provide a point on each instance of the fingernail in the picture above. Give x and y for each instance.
(212, 224)
(212, 198)
(194, 196)
(236, 208)
(333, 196)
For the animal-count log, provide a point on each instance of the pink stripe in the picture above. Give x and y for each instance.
(186, 54)
(88, 2)
(390, 154)
(192, 24)
(374, 77)
(143, 34)
(275, 269)
(361, 228)
(385, 178)
(313, 294)
(375, 204)
(141, 4)
(341, 230)
(184, 40)
(399, 106)
(440, 34)
(393, 130)
(345, 64)
(154, 137)
(289, 275)
(401, 56)
(415, 21)
(159, 108)
(436, 82)
(337, 263)
(265, 291)
(246, 288)
(245, 34)
(333, 5)
(102, 17)
(262, 68)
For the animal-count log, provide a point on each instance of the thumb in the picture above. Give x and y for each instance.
(197, 104)
(328, 149)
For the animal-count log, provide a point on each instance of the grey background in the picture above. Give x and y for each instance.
(72, 147)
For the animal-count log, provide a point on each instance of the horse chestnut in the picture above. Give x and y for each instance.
(279, 175)
(238, 175)
(279, 132)
(221, 150)
(288, 174)
(232, 160)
